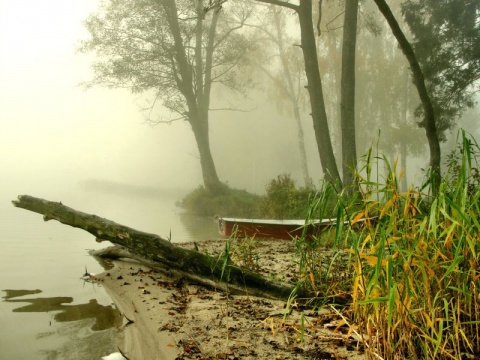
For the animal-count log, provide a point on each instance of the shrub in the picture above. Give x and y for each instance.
(463, 162)
(284, 200)
(230, 202)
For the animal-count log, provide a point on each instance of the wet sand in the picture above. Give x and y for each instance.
(167, 318)
(139, 336)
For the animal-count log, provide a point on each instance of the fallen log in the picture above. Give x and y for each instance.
(153, 250)
(116, 252)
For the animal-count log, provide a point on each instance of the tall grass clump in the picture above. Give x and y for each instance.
(322, 269)
(417, 268)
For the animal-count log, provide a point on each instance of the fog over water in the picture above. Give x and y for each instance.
(94, 151)
(54, 134)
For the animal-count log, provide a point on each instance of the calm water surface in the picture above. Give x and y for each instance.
(46, 310)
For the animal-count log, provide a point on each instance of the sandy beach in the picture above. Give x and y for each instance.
(165, 317)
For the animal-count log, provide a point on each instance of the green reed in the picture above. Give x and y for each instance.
(413, 264)
(417, 267)
(322, 268)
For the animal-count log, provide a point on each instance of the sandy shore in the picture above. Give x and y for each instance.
(167, 318)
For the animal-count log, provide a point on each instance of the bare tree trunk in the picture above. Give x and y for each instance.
(301, 147)
(314, 86)
(201, 132)
(317, 101)
(294, 100)
(197, 99)
(419, 80)
(347, 102)
(159, 251)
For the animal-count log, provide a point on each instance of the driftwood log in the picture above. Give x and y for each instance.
(156, 252)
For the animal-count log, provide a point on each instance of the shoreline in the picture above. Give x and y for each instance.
(167, 318)
(138, 337)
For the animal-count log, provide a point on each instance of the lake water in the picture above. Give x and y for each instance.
(46, 310)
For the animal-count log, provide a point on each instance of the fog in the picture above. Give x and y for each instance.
(56, 137)
(53, 133)
(61, 142)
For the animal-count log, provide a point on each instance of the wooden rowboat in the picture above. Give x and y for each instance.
(278, 229)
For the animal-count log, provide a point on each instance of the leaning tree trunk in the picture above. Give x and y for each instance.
(159, 251)
(419, 80)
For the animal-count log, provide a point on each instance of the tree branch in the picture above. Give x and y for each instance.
(280, 3)
(419, 80)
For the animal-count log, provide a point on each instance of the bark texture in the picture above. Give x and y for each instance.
(314, 86)
(347, 105)
(158, 251)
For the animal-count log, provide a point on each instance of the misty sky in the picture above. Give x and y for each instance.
(52, 131)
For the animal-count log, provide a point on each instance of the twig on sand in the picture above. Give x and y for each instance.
(356, 333)
(129, 321)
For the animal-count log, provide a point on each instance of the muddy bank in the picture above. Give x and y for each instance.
(165, 317)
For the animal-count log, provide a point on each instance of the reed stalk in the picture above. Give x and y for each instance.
(413, 271)
(416, 269)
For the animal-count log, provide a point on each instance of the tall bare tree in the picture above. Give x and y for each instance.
(294, 95)
(314, 85)
(287, 74)
(347, 102)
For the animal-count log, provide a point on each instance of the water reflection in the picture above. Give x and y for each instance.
(199, 227)
(16, 293)
(105, 316)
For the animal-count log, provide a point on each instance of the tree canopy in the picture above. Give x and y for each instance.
(446, 39)
(175, 49)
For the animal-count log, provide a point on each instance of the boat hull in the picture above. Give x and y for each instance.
(277, 229)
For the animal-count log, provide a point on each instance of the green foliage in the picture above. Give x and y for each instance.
(467, 150)
(283, 200)
(323, 266)
(244, 252)
(229, 202)
(447, 45)
(416, 276)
